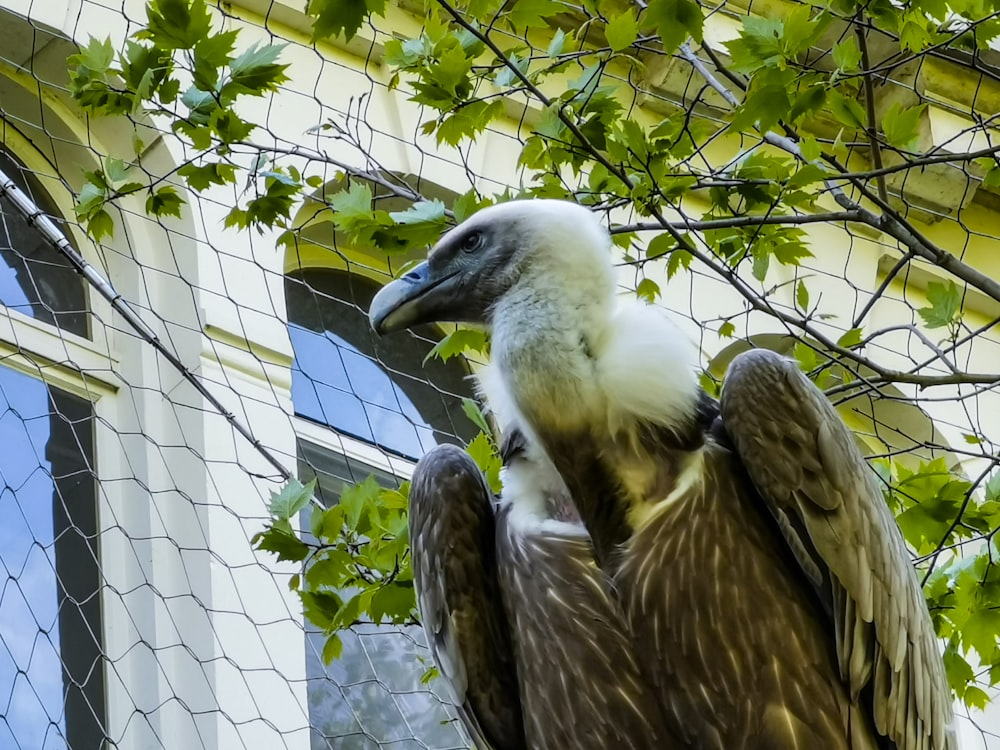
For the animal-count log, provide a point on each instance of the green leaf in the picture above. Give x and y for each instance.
(294, 496)
(759, 44)
(335, 17)
(847, 54)
(214, 173)
(557, 44)
(847, 110)
(982, 632)
(525, 14)
(622, 30)
(421, 212)
(475, 414)
(807, 174)
(850, 339)
(679, 258)
(177, 24)
(283, 543)
(430, 674)
(356, 501)
(332, 649)
(914, 36)
(761, 263)
(810, 148)
(458, 342)
(806, 103)
(320, 607)
(727, 330)
(256, 71)
(164, 202)
(945, 305)
(805, 355)
(901, 127)
(484, 453)
(763, 107)
(467, 121)
(200, 103)
(975, 697)
(392, 603)
(674, 20)
(467, 204)
(351, 206)
(96, 57)
(100, 224)
(958, 670)
(115, 170)
(648, 290)
(801, 296)
(211, 54)
(230, 127)
(660, 245)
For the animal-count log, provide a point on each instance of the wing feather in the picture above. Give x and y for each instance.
(806, 466)
(452, 535)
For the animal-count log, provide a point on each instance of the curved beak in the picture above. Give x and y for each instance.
(423, 295)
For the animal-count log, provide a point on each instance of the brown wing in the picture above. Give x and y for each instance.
(452, 537)
(828, 504)
(579, 668)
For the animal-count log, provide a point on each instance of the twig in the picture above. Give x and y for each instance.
(870, 105)
(739, 221)
(954, 524)
(900, 264)
(940, 355)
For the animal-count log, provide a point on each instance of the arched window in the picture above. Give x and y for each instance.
(387, 396)
(381, 391)
(35, 278)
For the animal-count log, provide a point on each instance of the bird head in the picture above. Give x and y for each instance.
(479, 262)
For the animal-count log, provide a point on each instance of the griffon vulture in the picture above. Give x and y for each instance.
(749, 548)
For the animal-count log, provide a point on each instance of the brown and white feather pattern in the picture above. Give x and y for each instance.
(808, 469)
(452, 533)
(739, 657)
(580, 680)
(579, 673)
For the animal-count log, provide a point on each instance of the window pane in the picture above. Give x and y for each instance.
(35, 278)
(51, 667)
(371, 695)
(378, 390)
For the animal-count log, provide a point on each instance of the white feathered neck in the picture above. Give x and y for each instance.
(570, 351)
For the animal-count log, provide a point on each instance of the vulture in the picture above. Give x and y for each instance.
(749, 552)
(518, 616)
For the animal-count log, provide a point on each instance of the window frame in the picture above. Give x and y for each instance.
(81, 366)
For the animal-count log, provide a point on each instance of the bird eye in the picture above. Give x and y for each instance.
(472, 242)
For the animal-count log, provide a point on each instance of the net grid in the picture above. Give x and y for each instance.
(187, 386)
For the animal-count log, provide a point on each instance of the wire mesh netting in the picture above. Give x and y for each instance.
(148, 409)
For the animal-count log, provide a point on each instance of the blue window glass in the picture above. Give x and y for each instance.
(378, 390)
(51, 665)
(35, 278)
(381, 391)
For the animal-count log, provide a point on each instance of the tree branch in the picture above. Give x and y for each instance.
(888, 222)
(870, 105)
(738, 221)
